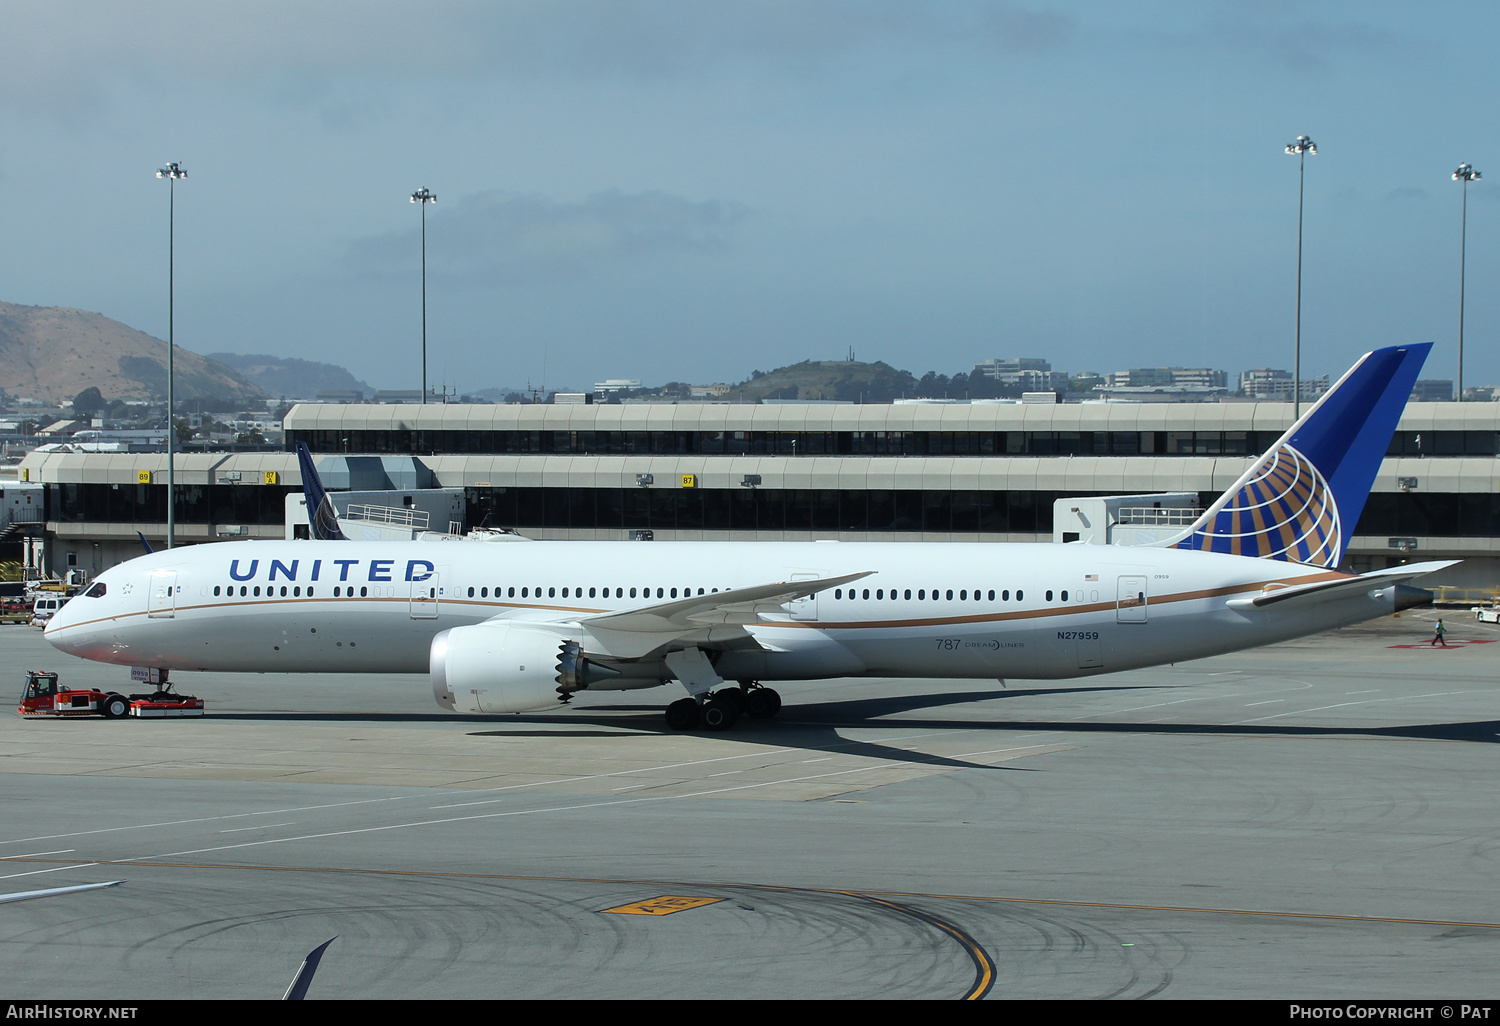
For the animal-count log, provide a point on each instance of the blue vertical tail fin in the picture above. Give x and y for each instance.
(323, 522)
(1301, 500)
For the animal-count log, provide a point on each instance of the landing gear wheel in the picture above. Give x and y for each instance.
(719, 714)
(683, 714)
(762, 703)
(734, 696)
(114, 707)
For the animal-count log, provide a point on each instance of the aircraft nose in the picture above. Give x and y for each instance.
(64, 630)
(59, 630)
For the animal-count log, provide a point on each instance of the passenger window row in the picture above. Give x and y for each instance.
(577, 593)
(526, 592)
(296, 591)
(941, 594)
(938, 594)
(246, 591)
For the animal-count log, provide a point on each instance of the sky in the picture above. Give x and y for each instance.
(689, 191)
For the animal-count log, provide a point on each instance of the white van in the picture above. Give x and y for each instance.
(45, 606)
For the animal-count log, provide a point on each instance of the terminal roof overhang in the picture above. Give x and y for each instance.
(873, 417)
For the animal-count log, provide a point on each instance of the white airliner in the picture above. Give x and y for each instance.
(511, 628)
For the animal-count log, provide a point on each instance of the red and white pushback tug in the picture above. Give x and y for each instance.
(43, 697)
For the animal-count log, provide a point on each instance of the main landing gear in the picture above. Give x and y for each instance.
(719, 710)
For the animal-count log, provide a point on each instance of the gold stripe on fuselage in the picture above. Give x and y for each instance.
(935, 621)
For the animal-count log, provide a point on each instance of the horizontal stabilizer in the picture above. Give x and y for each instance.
(1319, 591)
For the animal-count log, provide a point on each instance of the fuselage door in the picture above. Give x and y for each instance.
(161, 594)
(424, 597)
(803, 608)
(1130, 606)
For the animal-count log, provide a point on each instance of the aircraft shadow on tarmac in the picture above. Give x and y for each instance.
(649, 718)
(810, 725)
(813, 725)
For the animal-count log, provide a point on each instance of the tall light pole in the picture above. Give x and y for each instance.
(171, 173)
(1465, 174)
(1300, 149)
(424, 197)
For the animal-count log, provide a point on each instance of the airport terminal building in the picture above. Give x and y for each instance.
(907, 471)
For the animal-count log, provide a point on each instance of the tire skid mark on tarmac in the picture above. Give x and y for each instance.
(1136, 965)
(836, 925)
(984, 965)
(152, 863)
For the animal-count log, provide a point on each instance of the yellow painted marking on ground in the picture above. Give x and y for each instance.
(663, 905)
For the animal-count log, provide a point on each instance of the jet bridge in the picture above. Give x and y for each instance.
(385, 515)
(1124, 519)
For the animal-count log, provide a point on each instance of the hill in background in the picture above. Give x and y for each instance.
(828, 379)
(53, 353)
(289, 376)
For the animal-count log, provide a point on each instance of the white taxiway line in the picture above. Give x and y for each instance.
(1367, 701)
(491, 815)
(54, 869)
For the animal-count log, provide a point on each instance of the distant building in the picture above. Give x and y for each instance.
(1168, 377)
(606, 389)
(1028, 373)
(406, 395)
(1161, 393)
(1276, 385)
(1432, 390)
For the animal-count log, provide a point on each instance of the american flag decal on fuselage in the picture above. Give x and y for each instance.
(1285, 511)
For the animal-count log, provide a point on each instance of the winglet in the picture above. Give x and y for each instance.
(1301, 501)
(323, 522)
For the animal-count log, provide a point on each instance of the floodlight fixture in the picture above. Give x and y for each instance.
(423, 196)
(1466, 174)
(1299, 149)
(171, 173)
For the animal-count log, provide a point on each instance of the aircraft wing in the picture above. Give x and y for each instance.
(741, 605)
(714, 618)
(1296, 594)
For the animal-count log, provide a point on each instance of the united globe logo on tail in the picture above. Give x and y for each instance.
(1301, 502)
(1285, 512)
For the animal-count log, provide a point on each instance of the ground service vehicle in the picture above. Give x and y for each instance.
(45, 697)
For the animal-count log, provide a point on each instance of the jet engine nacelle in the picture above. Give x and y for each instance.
(507, 667)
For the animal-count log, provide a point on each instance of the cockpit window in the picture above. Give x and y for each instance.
(97, 591)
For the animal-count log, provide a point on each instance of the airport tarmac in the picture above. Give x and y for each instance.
(1314, 820)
